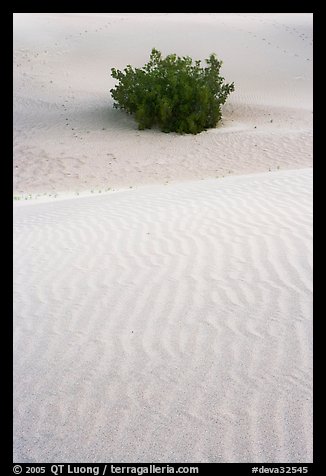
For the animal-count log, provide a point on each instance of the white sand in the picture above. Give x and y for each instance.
(169, 322)
(62, 76)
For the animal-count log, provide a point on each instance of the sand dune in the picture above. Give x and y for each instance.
(166, 323)
(170, 321)
(67, 136)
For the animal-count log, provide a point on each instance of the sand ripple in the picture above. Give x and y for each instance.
(168, 323)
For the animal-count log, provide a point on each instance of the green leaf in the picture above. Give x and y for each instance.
(172, 93)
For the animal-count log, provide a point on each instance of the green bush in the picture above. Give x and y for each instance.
(172, 93)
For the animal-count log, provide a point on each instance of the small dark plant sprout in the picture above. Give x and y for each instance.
(172, 93)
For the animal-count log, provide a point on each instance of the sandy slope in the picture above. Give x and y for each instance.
(67, 135)
(166, 324)
(172, 321)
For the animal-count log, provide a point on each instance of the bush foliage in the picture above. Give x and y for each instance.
(173, 93)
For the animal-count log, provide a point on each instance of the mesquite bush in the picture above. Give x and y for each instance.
(172, 93)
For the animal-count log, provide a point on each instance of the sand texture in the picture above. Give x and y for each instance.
(166, 324)
(165, 313)
(67, 136)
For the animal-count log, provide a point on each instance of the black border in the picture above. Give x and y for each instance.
(7, 407)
